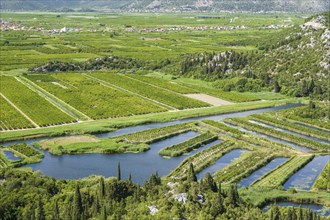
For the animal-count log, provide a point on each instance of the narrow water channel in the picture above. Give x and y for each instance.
(305, 177)
(290, 132)
(311, 127)
(11, 156)
(271, 138)
(262, 171)
(222, 162)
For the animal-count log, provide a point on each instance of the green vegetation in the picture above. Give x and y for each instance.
(278, 176)
(26, 153)
(107, 71)
(92, 98)
(111, 198)
(164, 84)
(202, 159)
(155, 134)
(88, 144)
(189, 145)
(315, 115)
(260, 196)
(161, 95)
(243, 167)
(323, 181)
(111, 124)
(279, 134)
(34, 106)
(268, 119)
(11, 118)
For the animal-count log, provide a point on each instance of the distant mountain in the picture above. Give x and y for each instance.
(170, 5)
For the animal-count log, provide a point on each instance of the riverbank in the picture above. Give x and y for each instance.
(107, 125)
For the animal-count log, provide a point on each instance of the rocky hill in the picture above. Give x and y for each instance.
(171, 5)
(296, 64)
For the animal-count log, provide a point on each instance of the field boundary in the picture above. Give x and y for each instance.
(107, 84)
(20, 111)
(38, 89)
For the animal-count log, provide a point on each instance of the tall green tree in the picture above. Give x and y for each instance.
(77, 207)
(118, 172)
(102, 188)
(209, 182)
(191, 174)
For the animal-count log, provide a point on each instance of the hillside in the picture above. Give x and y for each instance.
(295, 64)
(171, 5)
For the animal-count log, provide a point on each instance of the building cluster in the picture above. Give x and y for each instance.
(11, 26)
(185, 28)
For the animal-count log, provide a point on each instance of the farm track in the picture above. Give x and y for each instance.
(63, 106)
(107, 84)
(20, 111)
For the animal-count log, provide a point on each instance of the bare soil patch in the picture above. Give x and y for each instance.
(48, 144)
(209, 99)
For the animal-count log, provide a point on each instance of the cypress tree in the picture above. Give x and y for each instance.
(130, 178)
(102, 188)
(118, 172)
(277, 87)
(209, 182)
(191, 174)
(77, 207)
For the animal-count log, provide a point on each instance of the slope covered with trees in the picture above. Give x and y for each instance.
(296, 65)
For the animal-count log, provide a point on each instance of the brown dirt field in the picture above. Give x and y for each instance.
(209, 99)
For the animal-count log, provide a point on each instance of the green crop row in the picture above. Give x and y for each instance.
(164, 84)
(242, 168)
(223, 127)
(10, 118)
(279, 134)
(202, 159)
(189, 145)
(25, 150)
(290, 126)
(34, 106)
(161, 95)
(323, 181)
(93, 99)
(152, 135)
(283, 172)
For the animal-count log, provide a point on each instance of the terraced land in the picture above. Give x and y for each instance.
(278, 176)
(93, 99)
(167, 97)
(40, 111)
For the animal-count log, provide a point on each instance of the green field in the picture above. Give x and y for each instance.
(68, 76)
